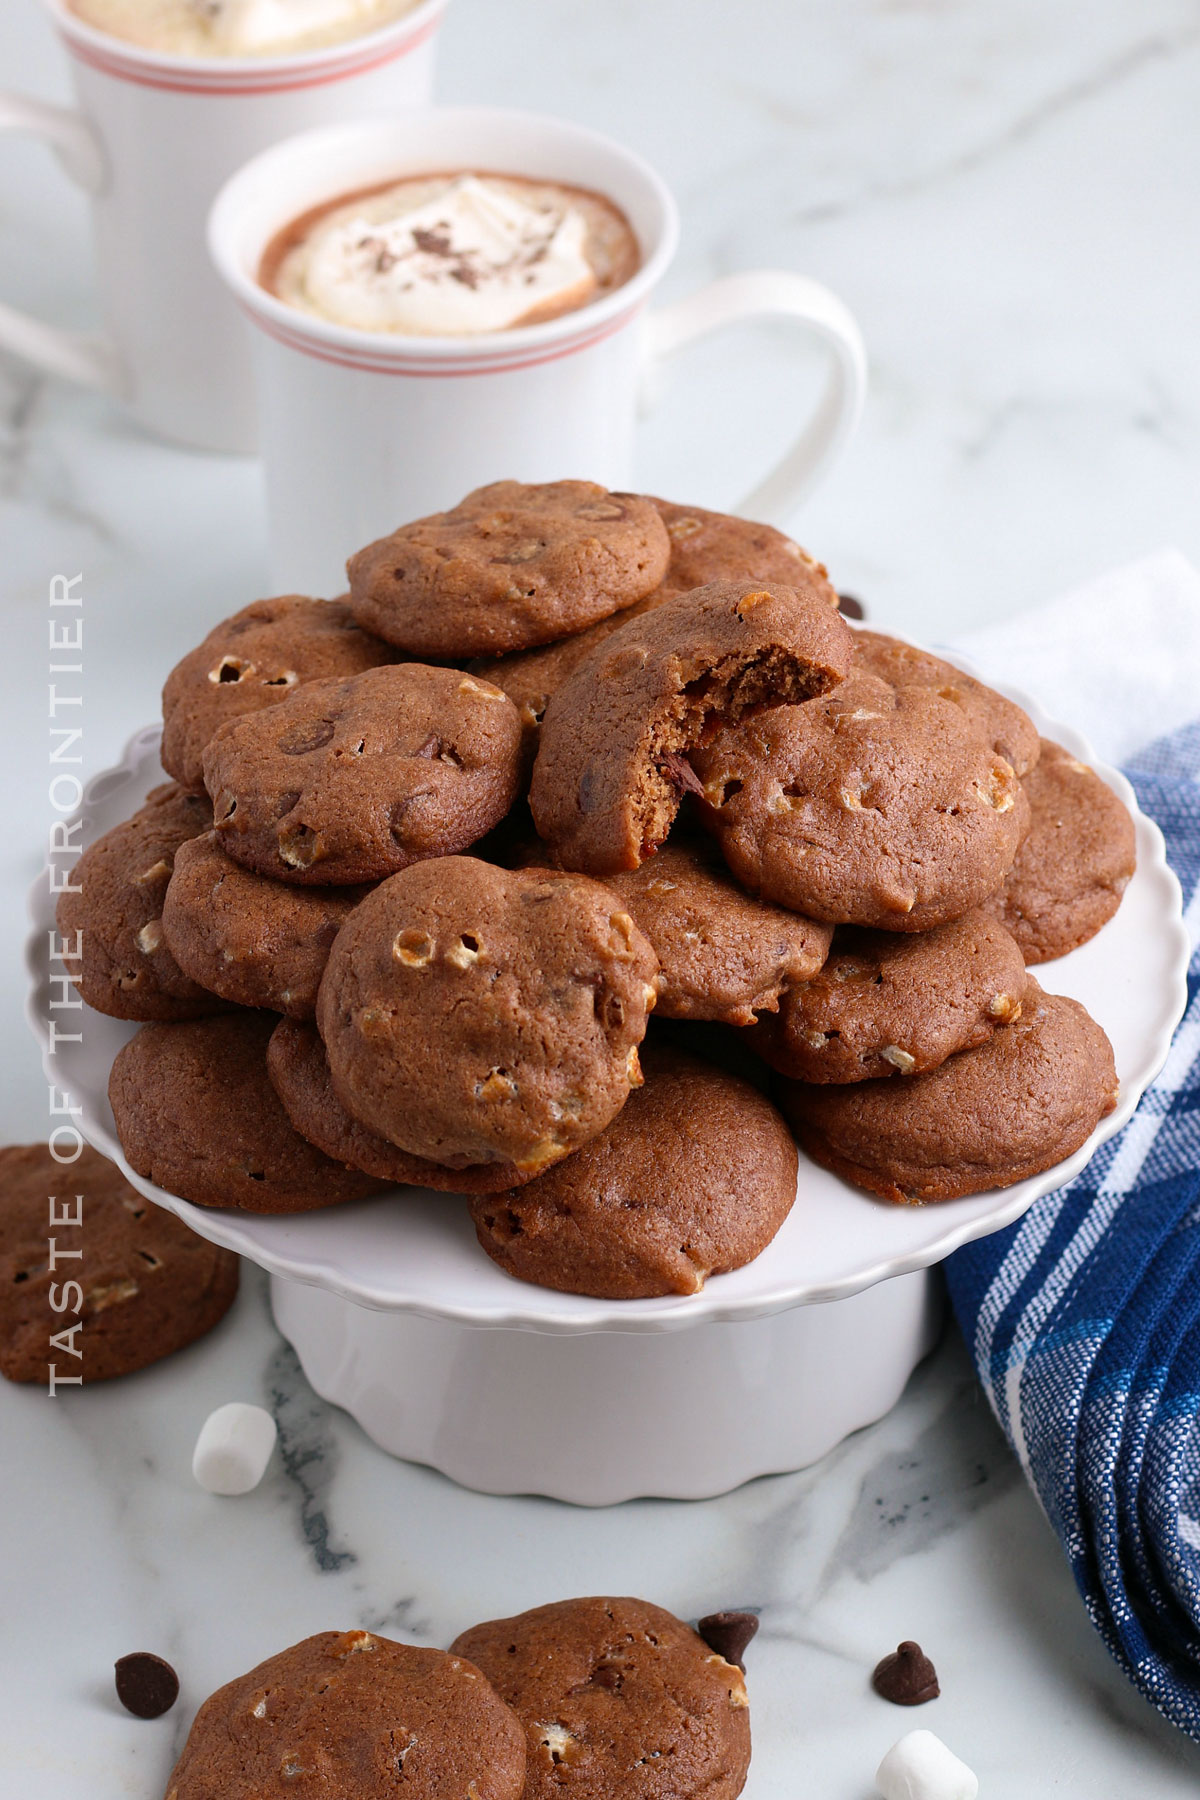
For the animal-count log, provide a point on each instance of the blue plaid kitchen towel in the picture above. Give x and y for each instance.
(1084, 1318)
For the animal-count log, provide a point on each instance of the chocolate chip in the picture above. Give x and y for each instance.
(728, 1633)
(303, 739)
(146, 1685)
(608, 1675)
(680, 773)
(850, 608)
(906, 1678)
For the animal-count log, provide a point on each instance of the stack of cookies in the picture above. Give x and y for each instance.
(433, 853)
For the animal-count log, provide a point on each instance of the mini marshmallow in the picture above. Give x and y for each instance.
(919, 1767)
(234, 1448)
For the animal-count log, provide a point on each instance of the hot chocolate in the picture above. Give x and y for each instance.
(451, 254)
(237, 27)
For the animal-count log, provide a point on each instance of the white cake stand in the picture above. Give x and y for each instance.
(398, 1316)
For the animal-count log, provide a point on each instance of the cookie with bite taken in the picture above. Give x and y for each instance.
(612, 758)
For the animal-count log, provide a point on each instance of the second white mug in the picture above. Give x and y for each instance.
(153, 137)
(362, 431)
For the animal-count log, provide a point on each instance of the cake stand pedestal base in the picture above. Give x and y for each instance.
(608, 1416)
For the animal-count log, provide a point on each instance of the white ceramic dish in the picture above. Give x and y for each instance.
(399, 1316)
(417, 1252)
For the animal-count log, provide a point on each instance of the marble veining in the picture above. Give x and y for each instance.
(1005, 195)
(307, 1451)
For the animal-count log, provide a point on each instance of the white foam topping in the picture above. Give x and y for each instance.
(470, 259)
(250, 27)
(236, 28)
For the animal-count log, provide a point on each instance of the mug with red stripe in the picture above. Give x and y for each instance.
(364, 429)
(152, 138)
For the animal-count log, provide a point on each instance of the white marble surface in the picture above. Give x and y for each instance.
(1005, 196)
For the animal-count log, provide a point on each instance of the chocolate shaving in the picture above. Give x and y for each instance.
(433, 243)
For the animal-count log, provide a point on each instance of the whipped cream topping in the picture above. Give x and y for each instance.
(474, 257)
(237, 27)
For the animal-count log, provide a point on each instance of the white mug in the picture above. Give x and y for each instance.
(152, 140)
(362, 431)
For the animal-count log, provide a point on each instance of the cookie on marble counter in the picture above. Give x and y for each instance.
(1004, 725)
(513, 565)
(986, 1118)
(479, 1014)
(355, 778)
(890, 1003)
(149, 1285)
(253, 941)
(723, 954)
(620, 1700)
(872, 805)
(299, 1072)
(693, 1177)
(1074, 865)
(715, 546)
(612, 756)
(253, 660)
(112, 913)
(357, 1716)
(197, 1115)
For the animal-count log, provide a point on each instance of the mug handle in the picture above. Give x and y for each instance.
(778, 294)
(82, 356)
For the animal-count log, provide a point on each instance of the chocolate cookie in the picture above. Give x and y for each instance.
(987, 1118)
(299, 1072)
(1002, 723)
(530, 677)
(252, 940)
(147, 1285)
(715, 546)
(197, 1115)
(352, 779)
(509, 567)
(255, 659)
(486, 1014)
(886, 1003)
(611, 762)
(1074, 865)
(358, 1717)
(871, 806)
(115, 919)
(619, 1699)
(705, 547)
(722, 953)
(693, 1177)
